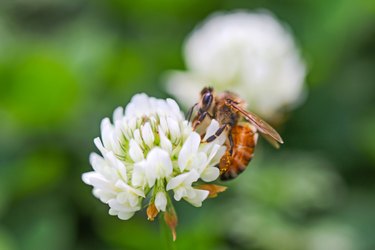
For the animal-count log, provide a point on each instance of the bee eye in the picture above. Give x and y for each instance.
(207, 100)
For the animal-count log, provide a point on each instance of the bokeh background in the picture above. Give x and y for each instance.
(66, 64)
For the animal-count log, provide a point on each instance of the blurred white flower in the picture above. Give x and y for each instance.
(148, 150)
(251, 54)
(332, 235)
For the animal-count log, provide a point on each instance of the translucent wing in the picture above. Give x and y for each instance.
(263, 127)
(272, 141)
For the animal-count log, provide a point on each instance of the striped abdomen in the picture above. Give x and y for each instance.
(244, 140)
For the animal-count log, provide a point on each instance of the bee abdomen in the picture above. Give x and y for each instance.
(244, 140)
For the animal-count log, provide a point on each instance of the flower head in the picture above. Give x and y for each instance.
(248, 53)
(147, 151)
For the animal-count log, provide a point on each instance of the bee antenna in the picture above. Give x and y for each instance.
(207, 89)
(231, 101)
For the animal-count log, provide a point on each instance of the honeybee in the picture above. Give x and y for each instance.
(240, 126)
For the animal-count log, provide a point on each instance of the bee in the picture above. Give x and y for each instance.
(240, 126)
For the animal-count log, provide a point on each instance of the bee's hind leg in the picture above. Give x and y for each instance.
(231, 144)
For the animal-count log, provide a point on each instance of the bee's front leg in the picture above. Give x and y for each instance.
(200, 119)
(190, 113)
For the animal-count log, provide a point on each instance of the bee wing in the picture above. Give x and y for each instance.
(263, 127)
(271, 141)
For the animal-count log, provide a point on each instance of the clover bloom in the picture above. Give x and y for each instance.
(150, 151)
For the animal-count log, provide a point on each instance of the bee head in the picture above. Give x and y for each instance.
(207, 98)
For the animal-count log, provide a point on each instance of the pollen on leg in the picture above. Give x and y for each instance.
(225, 162)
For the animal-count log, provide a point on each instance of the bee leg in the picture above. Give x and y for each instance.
(201, 117)
(217, 133)
(230, 138)
(190, 113)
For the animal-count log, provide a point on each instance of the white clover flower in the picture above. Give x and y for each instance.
(251, 54)
(147, 151)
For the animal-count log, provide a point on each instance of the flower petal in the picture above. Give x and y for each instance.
(160, 162)
(97, 162)
(118, 114)
(135, 151)
(188, 150)
(174, 128)
(125, 215)
(185, 179)
(198, 197)
(99, 145)
(210, 174)
(139, 174)
(107, 133)
(117, 165)
(164, 142)
(161, 201)
(147, 134)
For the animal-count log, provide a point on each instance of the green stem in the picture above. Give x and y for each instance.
(166, 235)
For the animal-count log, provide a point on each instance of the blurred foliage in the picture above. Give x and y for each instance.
(64, 65)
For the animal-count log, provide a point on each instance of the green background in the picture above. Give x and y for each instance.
(66, 64)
